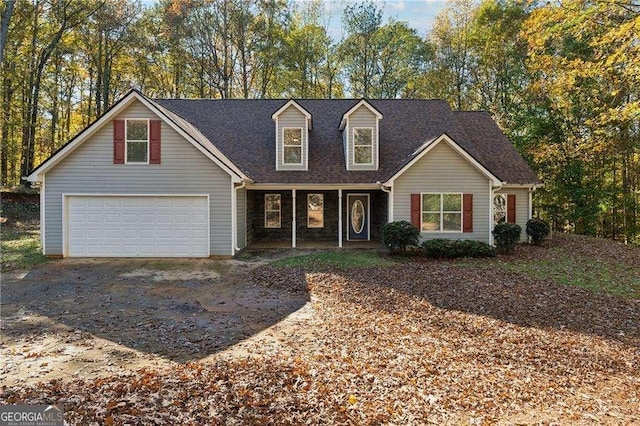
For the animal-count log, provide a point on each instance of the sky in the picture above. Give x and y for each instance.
(419, 14)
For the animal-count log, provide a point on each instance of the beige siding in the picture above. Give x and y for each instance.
(444, 170)
(522, 207)
(184, 170)
(362, 117)
(291, 117)
(241, 208)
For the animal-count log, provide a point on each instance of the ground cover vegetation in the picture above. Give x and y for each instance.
(546, 334)
(562, 79)
(517, 339)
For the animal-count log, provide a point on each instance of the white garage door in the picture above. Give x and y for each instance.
(137, 226)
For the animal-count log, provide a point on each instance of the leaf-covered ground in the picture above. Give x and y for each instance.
(470, 342)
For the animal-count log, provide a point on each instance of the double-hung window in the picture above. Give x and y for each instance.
(315, 210)
(292, 145)
(272, 211)
(137, 141)
(499, 208)
(441, 213)
(363, 145)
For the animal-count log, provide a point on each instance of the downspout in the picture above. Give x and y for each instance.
(242, 185)
(390, 203)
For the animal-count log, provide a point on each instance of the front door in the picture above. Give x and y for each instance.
(358, 219)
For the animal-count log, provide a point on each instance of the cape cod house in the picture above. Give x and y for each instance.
(181, 177)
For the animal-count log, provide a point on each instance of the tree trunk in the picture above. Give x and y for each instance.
(4, 26)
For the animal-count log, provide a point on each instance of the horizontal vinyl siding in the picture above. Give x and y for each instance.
(184, 170)
(362, 117)
(444, 170)
(291, 117)
(522, 208)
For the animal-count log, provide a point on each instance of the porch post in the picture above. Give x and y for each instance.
(293, 221)
(339, 217)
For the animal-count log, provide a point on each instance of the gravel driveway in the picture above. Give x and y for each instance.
(86, 318)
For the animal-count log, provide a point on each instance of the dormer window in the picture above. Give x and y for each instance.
(363, 145)
(292, 146)
(293, 124)
(360, 128)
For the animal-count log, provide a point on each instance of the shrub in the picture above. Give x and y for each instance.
(397, 236)
(506, 236)
(538, 230)
(451, 249)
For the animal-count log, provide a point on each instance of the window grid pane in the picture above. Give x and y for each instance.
(137, 130)
(362, 154)
(136, 152)
(315, 210)
(272, 216)
(441, 212)
(363, 137)
(293, 137)
(292, 154)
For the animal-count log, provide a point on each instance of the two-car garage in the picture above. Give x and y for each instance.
(136, 225)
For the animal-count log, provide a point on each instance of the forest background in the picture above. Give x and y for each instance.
(560, 77)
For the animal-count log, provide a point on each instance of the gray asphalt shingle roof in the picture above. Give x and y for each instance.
(245, 133)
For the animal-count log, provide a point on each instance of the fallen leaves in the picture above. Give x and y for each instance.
(417, 343)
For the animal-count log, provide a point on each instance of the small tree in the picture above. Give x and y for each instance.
(397, 236)
(506, 236)
(538, 230)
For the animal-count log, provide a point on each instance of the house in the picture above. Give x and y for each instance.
(197, 178)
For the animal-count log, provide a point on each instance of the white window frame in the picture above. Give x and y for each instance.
(301, 146)
(126, 141)
(308, 210)
(442, 212)
(506, 208)
(279, 211)
(370, 146)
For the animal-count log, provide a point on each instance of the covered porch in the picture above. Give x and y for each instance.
(315, 217)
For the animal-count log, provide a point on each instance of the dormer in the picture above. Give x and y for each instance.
(292, 137)
(360, 136)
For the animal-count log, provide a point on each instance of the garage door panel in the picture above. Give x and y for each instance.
(132, 226)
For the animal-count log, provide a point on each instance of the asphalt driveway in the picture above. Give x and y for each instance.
(88, 317)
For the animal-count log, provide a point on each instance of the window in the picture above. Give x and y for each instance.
(363, 145)
(315, 210)
(499, 208)
(292, 146)
(272, 211)
(441, 213)
(137, 141)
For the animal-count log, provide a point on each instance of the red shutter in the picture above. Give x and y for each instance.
(118, 141)
(467, 213)
(511, 208)
(415, 210)
(154, 142)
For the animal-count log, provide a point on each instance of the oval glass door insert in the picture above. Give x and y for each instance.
(357, 216)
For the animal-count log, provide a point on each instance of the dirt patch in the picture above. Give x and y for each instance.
(91, 318)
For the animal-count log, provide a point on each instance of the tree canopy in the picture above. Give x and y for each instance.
(561, 78)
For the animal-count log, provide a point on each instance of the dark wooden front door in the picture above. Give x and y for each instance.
(358, 217)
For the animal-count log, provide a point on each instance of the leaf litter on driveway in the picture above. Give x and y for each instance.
(417, 343)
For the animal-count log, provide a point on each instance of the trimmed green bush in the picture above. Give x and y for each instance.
(451, 249)
(506, 236)
(538, 230)
(397, 236)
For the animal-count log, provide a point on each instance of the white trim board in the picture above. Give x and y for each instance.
(218, 158)
(433, 143)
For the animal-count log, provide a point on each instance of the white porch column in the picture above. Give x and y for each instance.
(293, 221)
(339, 217)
